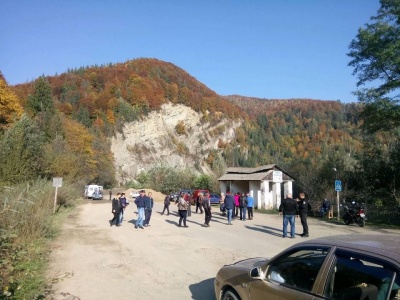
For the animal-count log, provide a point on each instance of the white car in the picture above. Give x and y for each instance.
(135, 194)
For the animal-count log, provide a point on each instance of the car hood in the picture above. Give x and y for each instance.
(250, 263)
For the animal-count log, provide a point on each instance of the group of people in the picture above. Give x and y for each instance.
(236, 206)
(144, 204)
(290, 209)
(202, 202)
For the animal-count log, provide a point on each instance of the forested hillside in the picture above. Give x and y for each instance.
(72, 116)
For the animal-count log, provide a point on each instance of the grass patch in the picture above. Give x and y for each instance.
(27, 226)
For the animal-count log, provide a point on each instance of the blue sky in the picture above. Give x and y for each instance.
(257, 48)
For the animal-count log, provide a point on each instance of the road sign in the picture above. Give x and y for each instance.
(277, 176)
(338, 185)
(57, 182)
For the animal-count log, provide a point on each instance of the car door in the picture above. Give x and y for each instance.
(293, 275)
(355, 275)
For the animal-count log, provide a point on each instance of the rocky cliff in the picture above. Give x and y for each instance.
(175, 136)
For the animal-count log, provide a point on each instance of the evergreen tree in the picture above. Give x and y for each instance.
(41, 100)
(21, 152)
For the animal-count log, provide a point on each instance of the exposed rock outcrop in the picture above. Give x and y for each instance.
(175, 136)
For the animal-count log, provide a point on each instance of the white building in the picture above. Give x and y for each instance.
(266, 184)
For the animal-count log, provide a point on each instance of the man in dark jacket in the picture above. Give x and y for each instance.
(289, 209)
(116, 209)
(242, 206)
(229, 206)
(139, 201)
(207, 209)
(167, 202)
(148, 208)
(304, 207)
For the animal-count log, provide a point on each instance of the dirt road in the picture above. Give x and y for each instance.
(163, 261)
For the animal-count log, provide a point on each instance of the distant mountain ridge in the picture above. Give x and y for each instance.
(106, 99)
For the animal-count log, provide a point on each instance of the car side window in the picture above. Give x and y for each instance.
(298, 268)
(354, 276)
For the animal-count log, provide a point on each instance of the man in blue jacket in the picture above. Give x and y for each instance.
(250, 204)
(139, 201)
(229, 205)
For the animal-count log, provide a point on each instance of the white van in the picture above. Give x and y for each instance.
(91, 189)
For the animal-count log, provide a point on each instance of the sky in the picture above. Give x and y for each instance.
(273, 49)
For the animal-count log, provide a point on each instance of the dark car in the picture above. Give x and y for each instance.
(97, 195)
(215, 198)
(353, 266)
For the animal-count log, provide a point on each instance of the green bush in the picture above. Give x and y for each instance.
(26, 225)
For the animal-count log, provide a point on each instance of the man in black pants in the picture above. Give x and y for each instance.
(116, 209)
(304, 207)
(207, 209)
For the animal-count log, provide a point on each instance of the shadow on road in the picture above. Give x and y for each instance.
(204, 290)
(269, 230)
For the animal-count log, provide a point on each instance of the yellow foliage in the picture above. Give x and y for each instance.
(10, 108)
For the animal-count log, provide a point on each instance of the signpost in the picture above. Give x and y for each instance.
(57, 182)
(277, 176)
(338, 188)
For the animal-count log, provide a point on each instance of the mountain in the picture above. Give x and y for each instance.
(146, 112)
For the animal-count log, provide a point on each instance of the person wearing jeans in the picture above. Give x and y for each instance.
(229, 205)
(139, 201)
(289, 209)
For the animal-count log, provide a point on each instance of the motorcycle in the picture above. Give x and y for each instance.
(354, 212)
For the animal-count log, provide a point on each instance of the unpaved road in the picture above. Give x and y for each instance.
(163, 261)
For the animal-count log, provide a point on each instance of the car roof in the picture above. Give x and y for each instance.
(376, 243)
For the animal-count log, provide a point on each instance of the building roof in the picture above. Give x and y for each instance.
(259, 173)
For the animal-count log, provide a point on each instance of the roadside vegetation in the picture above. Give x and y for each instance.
(60, 126)
(27, 225)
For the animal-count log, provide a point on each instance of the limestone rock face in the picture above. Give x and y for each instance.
(175, 136)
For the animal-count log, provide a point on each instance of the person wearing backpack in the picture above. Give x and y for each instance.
(242, 206)
(229, 206)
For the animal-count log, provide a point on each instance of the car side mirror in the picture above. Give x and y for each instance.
(255, 272)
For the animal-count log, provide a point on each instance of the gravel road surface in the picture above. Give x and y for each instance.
(92, 260)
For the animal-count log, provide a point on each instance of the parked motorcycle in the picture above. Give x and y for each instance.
(354, 213)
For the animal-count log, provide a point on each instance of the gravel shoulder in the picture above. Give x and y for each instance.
(92, 260)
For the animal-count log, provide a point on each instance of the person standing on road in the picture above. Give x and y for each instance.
(148, 208)
(207, 209)
(250, 204)
(242, 206)
(304, 207)
(110, 192)
(124, 203)
(199, 203)
(182, 211)
(236, 209)
(139, 201)
(167, 202)
(229, 205)
(116, 209)
(290, 210)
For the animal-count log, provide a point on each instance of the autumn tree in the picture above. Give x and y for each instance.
(10, 108)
